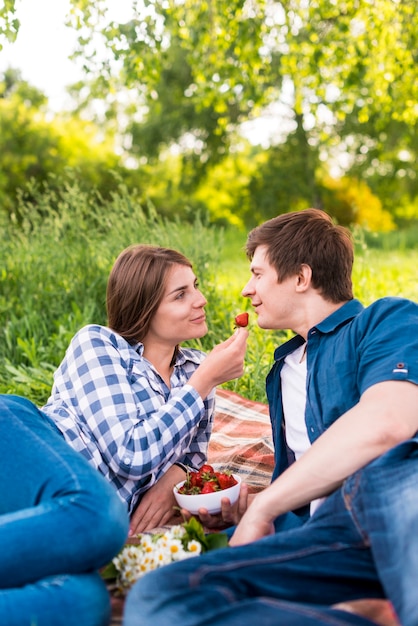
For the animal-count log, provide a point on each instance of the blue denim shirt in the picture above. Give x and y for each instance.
(348, 352)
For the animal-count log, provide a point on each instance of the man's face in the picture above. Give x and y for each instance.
(273, 302)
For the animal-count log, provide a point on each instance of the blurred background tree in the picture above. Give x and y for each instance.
(34, 147)
(180, 82)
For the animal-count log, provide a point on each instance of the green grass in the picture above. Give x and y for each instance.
(55, 264)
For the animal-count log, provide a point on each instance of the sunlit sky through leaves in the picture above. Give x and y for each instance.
(44, 43)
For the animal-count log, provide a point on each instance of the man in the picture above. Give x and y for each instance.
(343, 397)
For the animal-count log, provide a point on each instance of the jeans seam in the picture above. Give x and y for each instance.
(349, 494)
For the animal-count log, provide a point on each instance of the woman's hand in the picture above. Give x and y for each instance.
(225, 362)
(157, 506)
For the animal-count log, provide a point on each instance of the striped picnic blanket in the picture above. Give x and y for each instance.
(241, 439)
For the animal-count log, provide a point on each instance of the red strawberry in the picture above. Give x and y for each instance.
(196, 479)
(206, 468)
(209, 487)
(242, 320)
(226, 480)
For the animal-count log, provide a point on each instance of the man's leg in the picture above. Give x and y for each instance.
(325, 562)
(389, 488)
(269, 612)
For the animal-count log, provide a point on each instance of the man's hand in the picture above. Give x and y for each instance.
(230, 515)
(253, 525)
(385, 416)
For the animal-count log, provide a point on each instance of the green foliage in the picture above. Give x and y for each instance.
(225, 190)
(252, 186)
(9, 24)
(344, 55)
(345, 82)
(208, 541)
(186, 77)
(54, 269)
(401, 240)
(351, 202)
(385, 156)
(34, 147)
(283, 181)
(13, 86)
(236, 54)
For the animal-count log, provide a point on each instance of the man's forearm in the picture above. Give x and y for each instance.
(385, 416)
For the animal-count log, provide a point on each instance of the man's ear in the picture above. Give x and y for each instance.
(304, 278)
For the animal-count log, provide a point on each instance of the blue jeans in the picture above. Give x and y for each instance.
(361, 543)
(59, 522)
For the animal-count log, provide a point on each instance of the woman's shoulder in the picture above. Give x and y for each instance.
(92, 330)
(96, 334)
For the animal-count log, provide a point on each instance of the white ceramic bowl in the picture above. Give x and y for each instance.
(209, 501)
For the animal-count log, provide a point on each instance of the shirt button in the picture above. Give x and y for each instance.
(127, 461)
(312, 429)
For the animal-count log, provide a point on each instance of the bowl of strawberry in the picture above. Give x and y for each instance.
(205, 489)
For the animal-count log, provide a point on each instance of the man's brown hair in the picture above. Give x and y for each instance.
(308, 237)
(136, 287)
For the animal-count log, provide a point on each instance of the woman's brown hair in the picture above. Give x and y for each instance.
(136, 287)
(308, 237)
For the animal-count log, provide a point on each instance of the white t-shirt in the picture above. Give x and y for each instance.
(293, 377)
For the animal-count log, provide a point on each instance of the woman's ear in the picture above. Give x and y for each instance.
(304, 278)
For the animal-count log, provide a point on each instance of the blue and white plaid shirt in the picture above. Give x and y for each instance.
(113, 407)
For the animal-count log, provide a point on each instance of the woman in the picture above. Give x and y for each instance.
(136, 405)
(59, 522)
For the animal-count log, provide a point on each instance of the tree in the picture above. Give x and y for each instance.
(12, 85)
(201, 69)
(35, 147)
(189, 74)
(9, 24)
(387, 160)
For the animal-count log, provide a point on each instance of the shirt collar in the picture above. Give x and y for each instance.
(184, 354)
(341, 316)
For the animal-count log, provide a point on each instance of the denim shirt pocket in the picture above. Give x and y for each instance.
(336, 390)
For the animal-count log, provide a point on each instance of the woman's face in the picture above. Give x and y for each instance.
(181, 314)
